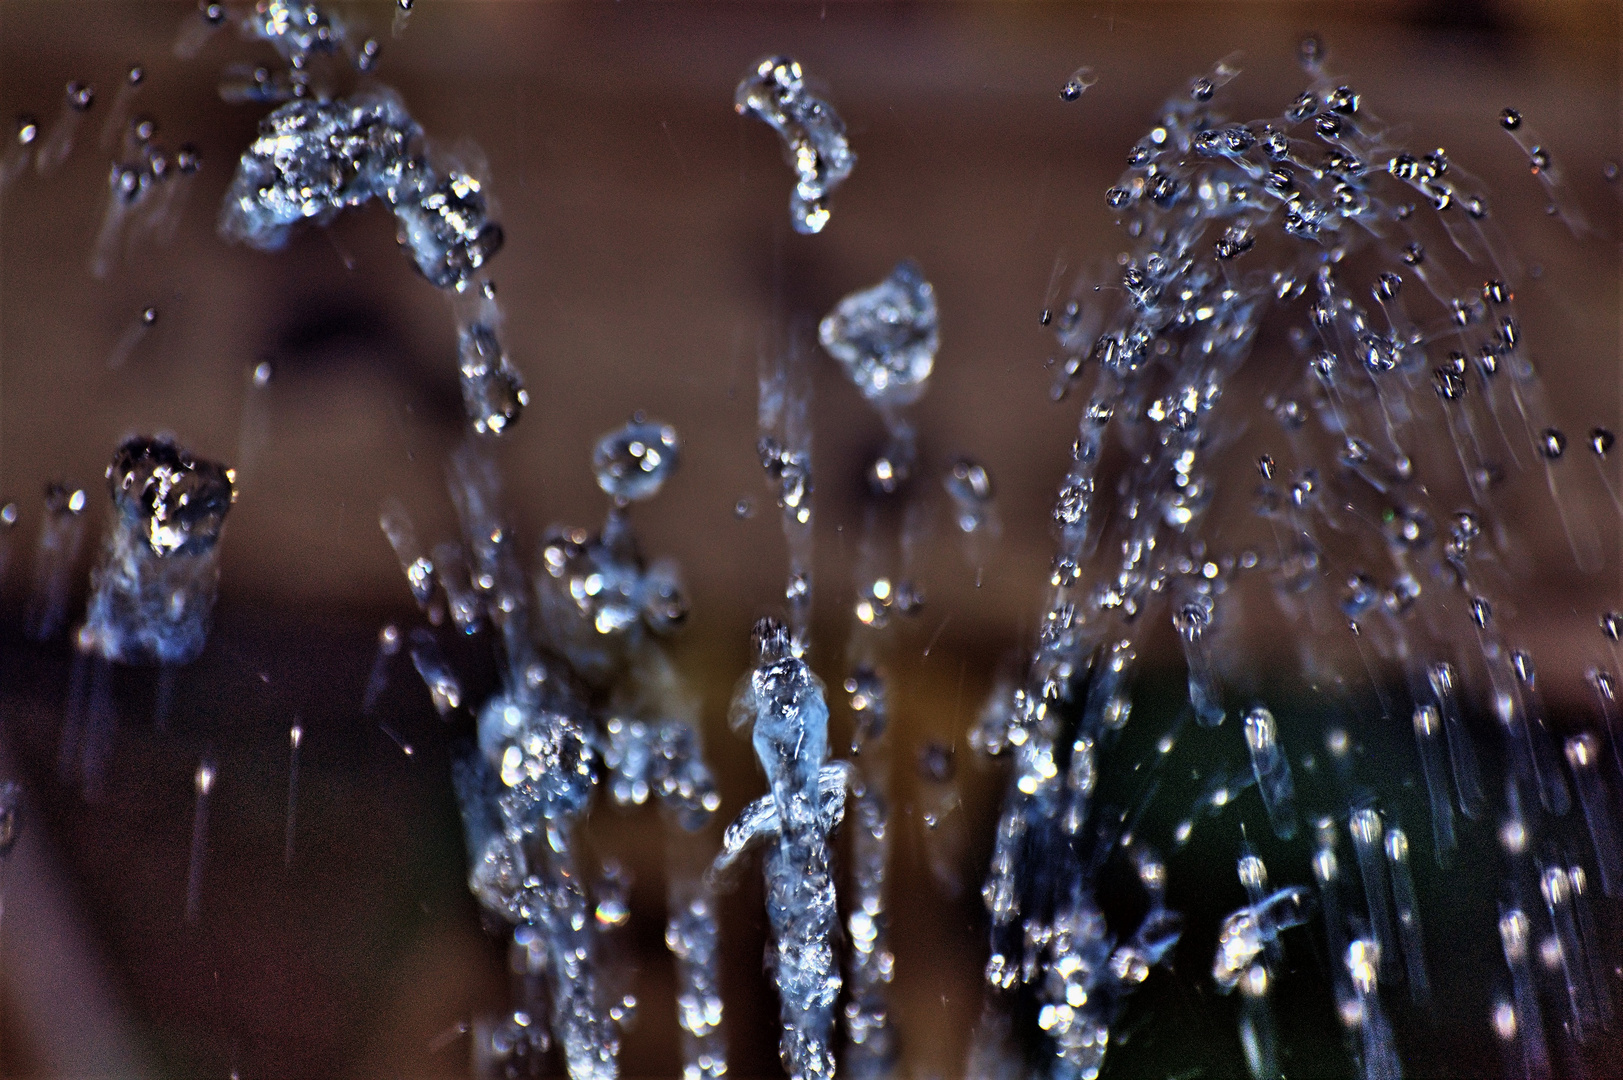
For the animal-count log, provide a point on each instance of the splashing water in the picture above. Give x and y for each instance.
(1381, 534)
(813, 136)
(153, 593)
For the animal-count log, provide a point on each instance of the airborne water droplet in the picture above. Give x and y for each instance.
(634, 462)
(1601, 440)
(1082, 78)
(1552, 443)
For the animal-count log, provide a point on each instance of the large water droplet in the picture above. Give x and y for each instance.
(634, 462)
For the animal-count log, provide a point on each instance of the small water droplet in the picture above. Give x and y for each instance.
(1082, 78)
(1611, 624)
(743, 508)
(149, 315)
(1601, 440)
(1552, 443)
(1265, 465)
(1510, 119)
(635, 461)
(81, 96)
(262, 374)
(936, 762)
(1310, 52)
(1481, 611)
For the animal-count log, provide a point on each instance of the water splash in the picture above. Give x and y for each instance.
(813, 135)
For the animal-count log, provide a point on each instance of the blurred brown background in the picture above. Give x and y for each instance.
(648, 264)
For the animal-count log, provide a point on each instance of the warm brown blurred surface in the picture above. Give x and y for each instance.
(648, 262)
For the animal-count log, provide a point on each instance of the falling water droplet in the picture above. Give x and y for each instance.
(1510, 119)
(1601, 440)
(1265, 465)
(1310, 52)
(1082, 78)
(886, 337)
(634, 462)
(1552, 443)
(81, 96)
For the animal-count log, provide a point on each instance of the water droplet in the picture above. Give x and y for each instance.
(1552, 443)
(493, 393)
(1343, 99)
(149, 315)
(1079, 81)
(634, 462)
(1449, 384)
(1510, 119)
(1611, 624)
(743, 508)
(1538, 160)
(1601, 440)
(81, 96)
(262, 374)
(813, 136)
(886, 337)
(936, 762)
(1414, 254)
(970, 487)
(27, 129)
(1310, 52)
(1046, 317)
(213, 13)
(1265, 465)
(1481, 611)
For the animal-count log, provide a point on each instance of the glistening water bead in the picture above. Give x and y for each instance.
(153, 591)
(814, 142)
(634, 462)
(886, 337)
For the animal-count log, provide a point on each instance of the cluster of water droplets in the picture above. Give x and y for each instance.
(1293, 219)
